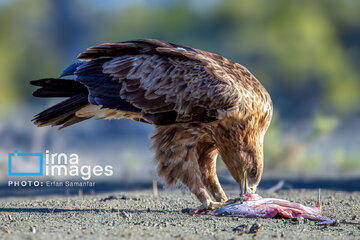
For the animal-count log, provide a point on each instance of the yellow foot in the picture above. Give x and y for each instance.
(210, 206)
(215, 205)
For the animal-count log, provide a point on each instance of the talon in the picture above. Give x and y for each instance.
(215, 205)
(202, 208)
(199, 209)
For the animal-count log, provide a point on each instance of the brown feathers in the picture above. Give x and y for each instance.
(201, 104)
(159, 77)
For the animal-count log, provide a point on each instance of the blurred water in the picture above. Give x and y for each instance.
(124, 144)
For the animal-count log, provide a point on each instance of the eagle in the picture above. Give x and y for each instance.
(201, 105)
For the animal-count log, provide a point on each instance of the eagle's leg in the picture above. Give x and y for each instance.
(207, 162)
(177, 156)
(187, 172)
(191, 178)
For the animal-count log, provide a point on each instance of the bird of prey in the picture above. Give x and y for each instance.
(200, 104)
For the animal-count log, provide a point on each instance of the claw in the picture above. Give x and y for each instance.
(214, 205)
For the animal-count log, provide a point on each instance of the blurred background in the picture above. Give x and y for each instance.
(305, 53)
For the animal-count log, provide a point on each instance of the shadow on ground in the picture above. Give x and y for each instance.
(62, 210)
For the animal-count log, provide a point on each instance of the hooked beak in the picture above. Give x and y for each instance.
(244, 187)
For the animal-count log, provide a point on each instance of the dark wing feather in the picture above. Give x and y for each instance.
(168, 83)
(102, 90)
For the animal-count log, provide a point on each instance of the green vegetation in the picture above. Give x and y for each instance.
(289, 152)
(305, 53)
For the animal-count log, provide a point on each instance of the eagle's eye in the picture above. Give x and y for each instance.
(253, 172)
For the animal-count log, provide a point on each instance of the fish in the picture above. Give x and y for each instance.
(252, 205)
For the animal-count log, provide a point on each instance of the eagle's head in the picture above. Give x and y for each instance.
(240, 144)
(244, 161)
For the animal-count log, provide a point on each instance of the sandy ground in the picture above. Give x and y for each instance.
(138, 215)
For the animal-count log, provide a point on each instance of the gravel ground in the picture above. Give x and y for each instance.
(138, 215)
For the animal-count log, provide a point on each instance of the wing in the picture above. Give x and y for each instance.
(167, 83)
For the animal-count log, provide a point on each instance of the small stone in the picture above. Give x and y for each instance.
(124, 214)
(111, 197)
(5, 230)
(255, 228)
(32, 229)
(10, 218)
(241, 229)
(123, 197)
(298, 220)
(295, 220)
(332, 222)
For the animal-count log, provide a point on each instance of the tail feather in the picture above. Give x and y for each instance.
(63, 113)
(55, 87)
